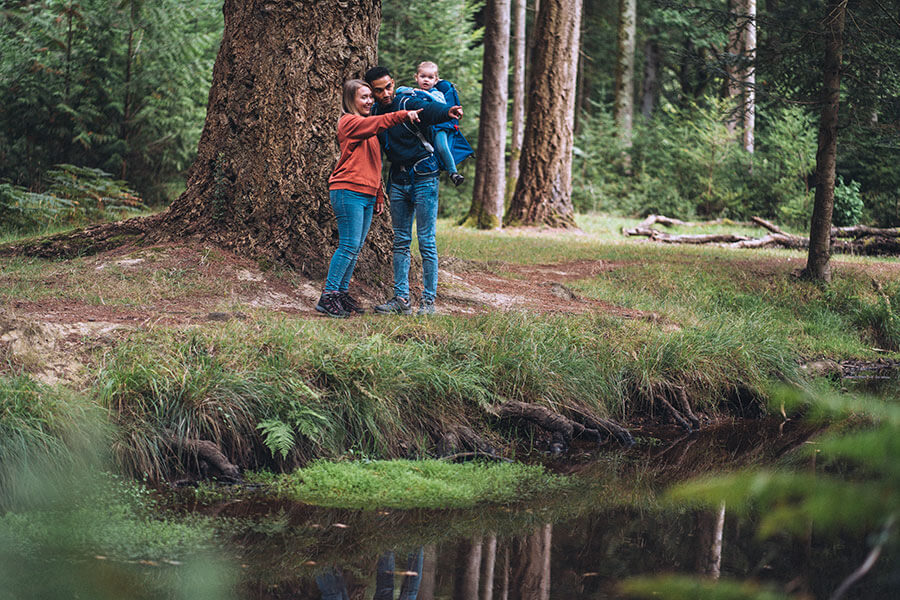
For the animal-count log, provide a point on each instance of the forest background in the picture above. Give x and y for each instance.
(122, 87)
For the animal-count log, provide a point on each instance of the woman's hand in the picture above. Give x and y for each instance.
(379, 206)
(413, 116)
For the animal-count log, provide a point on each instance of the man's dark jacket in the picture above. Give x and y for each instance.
(400, 143)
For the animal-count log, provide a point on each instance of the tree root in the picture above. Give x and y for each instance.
(563, 429)
(462, 442)
(673, 399)
(211, 461)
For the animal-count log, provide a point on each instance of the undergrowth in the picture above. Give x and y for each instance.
(279, 391)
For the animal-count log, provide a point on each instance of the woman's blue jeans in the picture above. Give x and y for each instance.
(414, 196)
(354, 216)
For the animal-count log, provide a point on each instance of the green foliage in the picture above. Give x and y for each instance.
(73, 196)
(277, 436)
(848, 203)
(685, 162)
(120, 87)
(42, 429)
(416, 484)
(682, 587)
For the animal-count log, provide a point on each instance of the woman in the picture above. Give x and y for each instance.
(355, 189)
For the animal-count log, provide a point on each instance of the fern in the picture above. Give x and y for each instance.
(277, 436)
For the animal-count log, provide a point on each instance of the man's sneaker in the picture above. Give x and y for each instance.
(350, 304)
(456, 178)
(330, 304)
(426, 307)
(395, 305)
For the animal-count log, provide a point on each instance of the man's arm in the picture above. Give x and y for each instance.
(432, 112)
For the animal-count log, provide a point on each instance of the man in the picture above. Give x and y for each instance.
(412, 188)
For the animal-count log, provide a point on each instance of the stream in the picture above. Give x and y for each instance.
(580, 546)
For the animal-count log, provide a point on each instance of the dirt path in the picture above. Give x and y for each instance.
(59, 309)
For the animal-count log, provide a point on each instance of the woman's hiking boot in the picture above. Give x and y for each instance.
(350, 304)
(330, 304)
(394, 306)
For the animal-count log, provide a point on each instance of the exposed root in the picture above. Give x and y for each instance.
(563, 429)
(461, 442)
(673, 399)
(211, 461)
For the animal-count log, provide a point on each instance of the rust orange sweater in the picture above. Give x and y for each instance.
(359, 167)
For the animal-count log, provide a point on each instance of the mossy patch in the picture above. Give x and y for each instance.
(416, 484)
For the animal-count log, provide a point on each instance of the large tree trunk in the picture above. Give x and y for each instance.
(488, 196)
(817, 264)
(467, 570)
(625, 69)
(544, 191)
(259, 184)
(518, 97)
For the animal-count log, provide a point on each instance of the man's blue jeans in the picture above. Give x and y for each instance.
(414, 196)
(354, 216)
(384, 578)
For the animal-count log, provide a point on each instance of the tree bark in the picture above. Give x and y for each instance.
(624, 113)
(259, 185)
(468, 569)
(732, 63)
(650, 85)
(488, 196)
(518, 98)
(748, 43)
(817, 264)
(489, 560)
(531, 573)
(544, 190)
(710, 530)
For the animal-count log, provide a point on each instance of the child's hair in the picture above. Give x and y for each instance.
(348, 101)
(428, 65)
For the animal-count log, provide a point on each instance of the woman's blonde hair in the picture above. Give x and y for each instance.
(348, 102)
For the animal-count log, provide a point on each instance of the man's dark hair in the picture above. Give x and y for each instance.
(376, 73)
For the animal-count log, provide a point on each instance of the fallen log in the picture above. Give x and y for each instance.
(863, 240)
(210, 460)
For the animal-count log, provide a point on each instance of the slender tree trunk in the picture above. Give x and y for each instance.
(429, 569)
(624, 113)
(488, 196)
(259, 184)
(650, 86)
(518, 97)
(544, 190)
(580, 94)
(489, 559)
(126, 101)
(749, 75)
(732, 66)
(710, 535)
(817, 264)
(468, 568)
(531, 571)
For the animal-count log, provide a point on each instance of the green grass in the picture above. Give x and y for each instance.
(390, 387)
(415, 484)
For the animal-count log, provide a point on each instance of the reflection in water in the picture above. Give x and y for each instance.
(569, 547)
(710, 529)
(333, 586)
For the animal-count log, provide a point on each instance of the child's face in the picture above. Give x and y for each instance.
(426, 78)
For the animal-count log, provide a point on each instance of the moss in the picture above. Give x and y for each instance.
(415, 484)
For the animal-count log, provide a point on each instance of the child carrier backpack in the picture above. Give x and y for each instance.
(459, 146)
